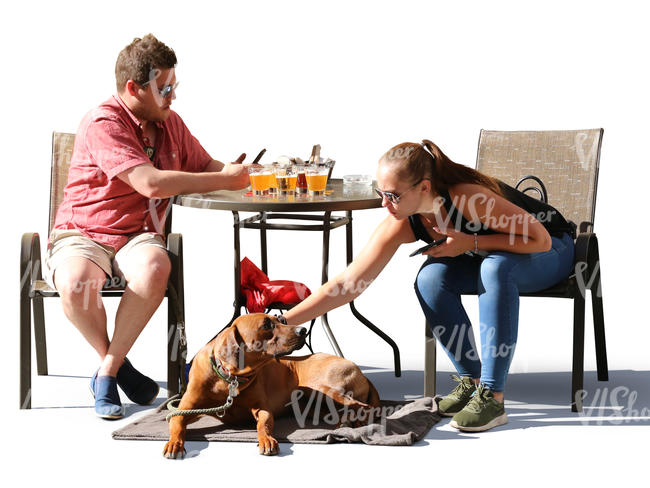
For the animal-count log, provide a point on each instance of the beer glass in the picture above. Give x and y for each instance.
(301, 181)
(287, 178)
(317, 180)
(272, 181)
(259, 177)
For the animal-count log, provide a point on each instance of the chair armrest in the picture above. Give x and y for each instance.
(585, 226)
(587, 261)
(30, 260)
(176, 339)
(175, 248)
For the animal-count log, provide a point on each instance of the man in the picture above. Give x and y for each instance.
(129, 154)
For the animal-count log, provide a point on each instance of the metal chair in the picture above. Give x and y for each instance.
(33, 289)
(567, 164)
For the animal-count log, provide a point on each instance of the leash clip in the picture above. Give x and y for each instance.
(182, 338)
(232, 388)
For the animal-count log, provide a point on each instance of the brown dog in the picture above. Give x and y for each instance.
(250, 350)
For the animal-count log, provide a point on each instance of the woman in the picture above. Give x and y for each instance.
(499, 242)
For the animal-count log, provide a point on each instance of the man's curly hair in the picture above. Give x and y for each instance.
(141, 60)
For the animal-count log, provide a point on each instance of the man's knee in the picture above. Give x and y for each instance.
(79, 279)
(151, 269)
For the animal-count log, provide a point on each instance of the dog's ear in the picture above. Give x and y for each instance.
(230, 351)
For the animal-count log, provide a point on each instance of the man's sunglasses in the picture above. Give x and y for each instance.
(166, 90)
(394, 197)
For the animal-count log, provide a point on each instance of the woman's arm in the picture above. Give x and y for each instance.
(361, 272)
(517, 230)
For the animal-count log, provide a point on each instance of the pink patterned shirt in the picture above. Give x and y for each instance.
(108, 142)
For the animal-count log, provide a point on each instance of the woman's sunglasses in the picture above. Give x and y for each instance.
(394, 197)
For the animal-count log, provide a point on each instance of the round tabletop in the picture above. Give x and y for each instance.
(342, 197)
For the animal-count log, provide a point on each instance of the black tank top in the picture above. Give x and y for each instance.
(548, 216)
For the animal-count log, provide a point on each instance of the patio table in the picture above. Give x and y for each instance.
(306, 213)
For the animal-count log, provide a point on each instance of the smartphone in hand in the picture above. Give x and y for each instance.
(259, 156)
(427, 247)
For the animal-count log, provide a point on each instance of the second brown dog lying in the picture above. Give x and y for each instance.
(250, 350)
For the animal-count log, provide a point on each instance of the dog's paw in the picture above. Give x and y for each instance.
(268, 446)
(174, 450)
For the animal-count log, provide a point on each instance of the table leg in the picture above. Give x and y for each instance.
(238, 303)
(324, 278)
(357, 314)
(263, 243)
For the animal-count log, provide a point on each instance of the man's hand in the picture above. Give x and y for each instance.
(236, 173)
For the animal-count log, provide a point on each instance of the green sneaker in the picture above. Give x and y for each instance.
(481, 413)
(458, 398)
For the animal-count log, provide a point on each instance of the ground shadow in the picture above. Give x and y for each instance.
(541, 399)
(532, 399)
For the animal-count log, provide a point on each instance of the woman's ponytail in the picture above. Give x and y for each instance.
(426, 160)
(435, 153)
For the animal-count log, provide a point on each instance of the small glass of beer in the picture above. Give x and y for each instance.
(287, 179)
(317, 180)
(301, 182)
(272, 182)
(260, 179)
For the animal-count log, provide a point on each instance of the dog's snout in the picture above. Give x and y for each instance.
(301, 331)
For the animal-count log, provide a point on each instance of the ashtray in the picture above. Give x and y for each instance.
(361, 180)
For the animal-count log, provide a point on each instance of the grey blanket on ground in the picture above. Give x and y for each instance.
(404, 424)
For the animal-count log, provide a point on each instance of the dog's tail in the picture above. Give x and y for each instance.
(373, 395)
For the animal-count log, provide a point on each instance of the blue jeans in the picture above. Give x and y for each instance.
(498, 279)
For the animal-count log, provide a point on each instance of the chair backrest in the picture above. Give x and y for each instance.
(62, 145)
(565, 160)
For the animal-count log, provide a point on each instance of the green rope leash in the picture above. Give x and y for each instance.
(233, 384)
(218, 411)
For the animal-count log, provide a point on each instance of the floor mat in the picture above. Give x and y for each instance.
(397, 424)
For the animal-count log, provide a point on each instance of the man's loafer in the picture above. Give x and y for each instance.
(107, 398)
(137, 387)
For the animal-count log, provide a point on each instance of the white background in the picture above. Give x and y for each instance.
(356, 77)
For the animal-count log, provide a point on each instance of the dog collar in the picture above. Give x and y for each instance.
(223, 372)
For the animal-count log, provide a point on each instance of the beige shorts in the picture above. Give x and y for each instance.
(66, 244)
